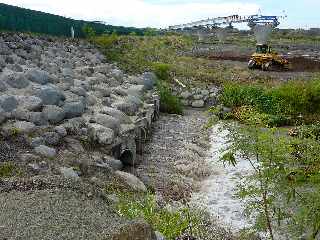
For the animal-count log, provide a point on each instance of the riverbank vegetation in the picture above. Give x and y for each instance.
(278, 133)
(290, 103)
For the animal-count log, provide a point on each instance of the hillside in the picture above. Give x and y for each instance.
(24, 20)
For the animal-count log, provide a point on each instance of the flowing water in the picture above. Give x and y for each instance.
(217, 193)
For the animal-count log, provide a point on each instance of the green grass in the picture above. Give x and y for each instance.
(274, 105)
(171, 223)
(7, 170)
(168, 102)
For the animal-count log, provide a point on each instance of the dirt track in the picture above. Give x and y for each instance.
(298, 64)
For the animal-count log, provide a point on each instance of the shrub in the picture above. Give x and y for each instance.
(88, 31)
(281, 103)
(285, 177)
(168, 102)
(171, 223)
(7, 170)
(162, 70)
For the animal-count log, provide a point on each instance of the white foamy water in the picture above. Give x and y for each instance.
(217, 193)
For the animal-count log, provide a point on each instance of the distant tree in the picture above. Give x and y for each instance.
(88, 31)
(150, 32)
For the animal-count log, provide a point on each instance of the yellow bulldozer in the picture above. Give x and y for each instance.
(266, 59)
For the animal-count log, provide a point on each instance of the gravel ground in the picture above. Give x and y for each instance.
(54, 209)
(174, 158)
(174, 163)
(54, 215)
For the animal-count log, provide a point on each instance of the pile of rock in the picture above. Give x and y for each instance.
(199, 98)
(61, 96)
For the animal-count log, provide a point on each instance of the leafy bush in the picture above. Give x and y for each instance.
(282, 191)
(168, 102)
(281, 103)
(88, 31)
(7, 170)
(171, 223)
(249, 115)
(162, 70)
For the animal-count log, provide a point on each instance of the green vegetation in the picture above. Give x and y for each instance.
(139, 54)
(7, 170)
(281, 104)
(24, 20)
(171, 223)
(169, 103)
(283, 190)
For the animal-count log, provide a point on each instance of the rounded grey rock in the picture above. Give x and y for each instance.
(38, 76)
(79, 91)
(122, 117)
(8, 103)
(51, 138)
(31, 103)
(50, 95)
(2, 115)
(149, 80)
(53, 114)
(17, 80)
(61, 131)
(107, 121)
(69, 173)
(36, 142)
(101, 134)
(45, 151)
(3, 86)
(198, 104)
(74, 109)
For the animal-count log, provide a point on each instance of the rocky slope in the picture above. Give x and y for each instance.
(67, 116)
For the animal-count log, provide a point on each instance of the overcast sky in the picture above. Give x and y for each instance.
(162, 13)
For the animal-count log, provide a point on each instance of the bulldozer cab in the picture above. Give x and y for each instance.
(263, 49)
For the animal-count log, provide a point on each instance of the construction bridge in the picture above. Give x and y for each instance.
(251, 20)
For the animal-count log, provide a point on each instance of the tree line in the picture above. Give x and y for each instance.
(24, 20)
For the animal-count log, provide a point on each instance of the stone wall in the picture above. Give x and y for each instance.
(60, 97)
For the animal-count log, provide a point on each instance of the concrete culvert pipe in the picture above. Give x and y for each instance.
(126, 157)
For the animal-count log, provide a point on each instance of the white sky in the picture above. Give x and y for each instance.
(138, 13)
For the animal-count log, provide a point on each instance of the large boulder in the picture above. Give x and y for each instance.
(107, 121)
(19, 127)
(101, 134)
(3, 86)
(38, 76)
(69, 173)
(17, 80)
(186, 95)
(45, 151)
(34, 117)
(129, 105)
(134, 230)
(31, 103)
(131, 181)
(122, 117)
(198, 104)
(2, 115)
(53, 114)
(8, 103)
(74, 109)
(136, 90)
(149, 80)
(51, 138)
(50, 95)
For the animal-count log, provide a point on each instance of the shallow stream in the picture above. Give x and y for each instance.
(217, 193)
